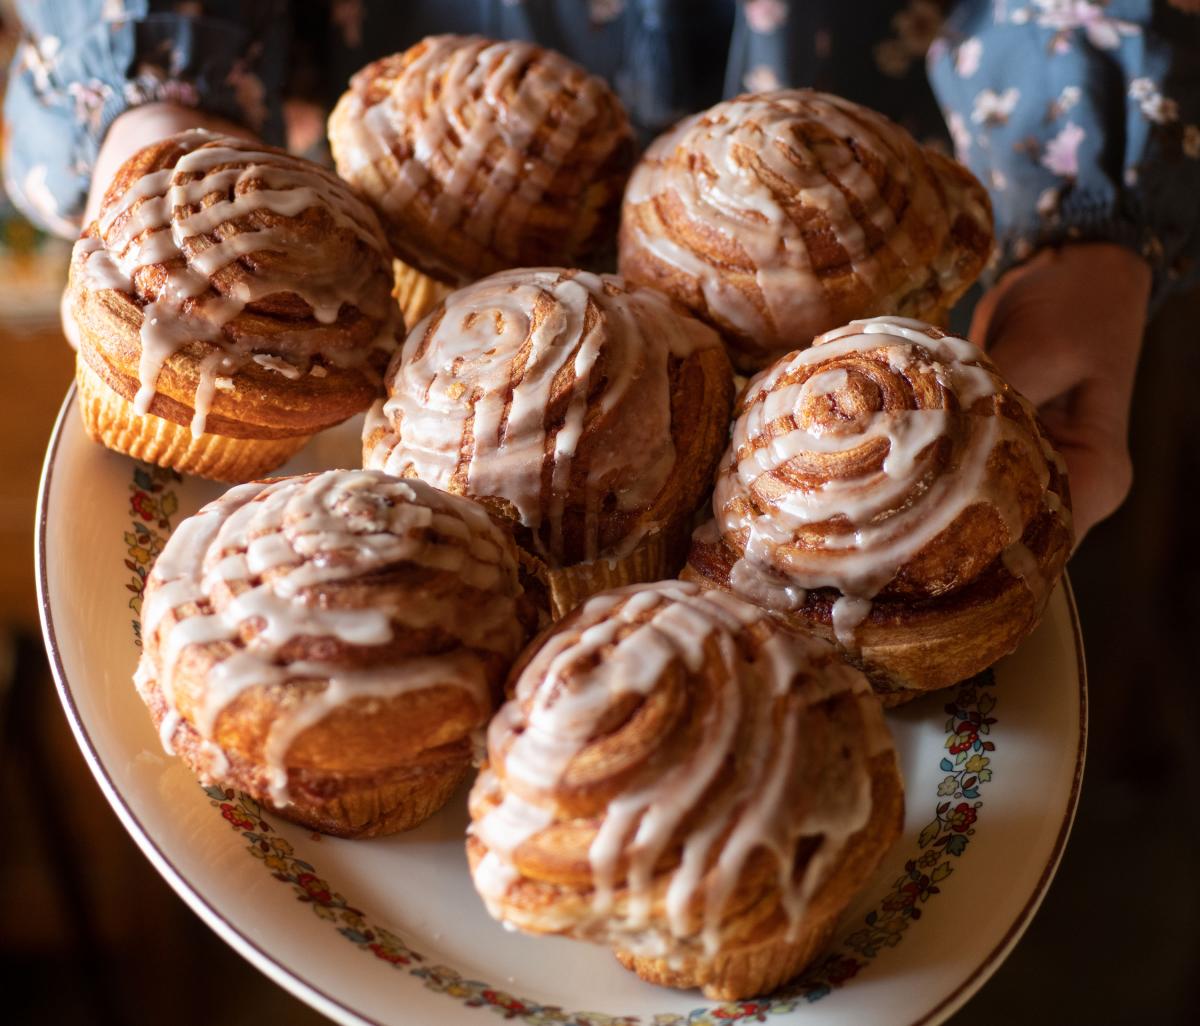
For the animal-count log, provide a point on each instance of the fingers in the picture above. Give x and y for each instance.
(1065, 330)
(1033, 359)
(1100, 479)
(69, 330)
(992, 309)
(1090, 428)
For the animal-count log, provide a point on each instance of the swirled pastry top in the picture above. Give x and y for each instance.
(285, 600)
(670, 757)
(586, 410)
(888, 458)
(216, 260)
(484, 155)
(779, 215)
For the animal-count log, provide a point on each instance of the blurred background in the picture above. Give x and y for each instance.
(90, 934)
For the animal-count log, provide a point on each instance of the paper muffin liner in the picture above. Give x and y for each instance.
(656, 557)
(416, 293)
(111, 420)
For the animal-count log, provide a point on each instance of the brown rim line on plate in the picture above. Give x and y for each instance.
(242, 944)
(339, 1009)
(971, 985)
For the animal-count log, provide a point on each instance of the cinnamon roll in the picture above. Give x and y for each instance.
(776, 216)
(589, 413)
(679, 776)
(887, 489)
(331, 643)
(483, 155)
(230, 301)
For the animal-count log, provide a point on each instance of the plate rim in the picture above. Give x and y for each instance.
(249, 949)
(336, 1008)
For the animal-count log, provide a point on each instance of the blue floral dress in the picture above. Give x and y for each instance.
(1082, 117)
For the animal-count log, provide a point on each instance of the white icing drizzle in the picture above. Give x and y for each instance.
(453, 141)
(470, 398)
(1023, 564)
(147, 226)
(625, 643)
(279, 366)
(744, 169)
(848, 613)
(244, 577)
(843, 519)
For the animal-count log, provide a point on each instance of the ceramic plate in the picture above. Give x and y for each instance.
(391, 931)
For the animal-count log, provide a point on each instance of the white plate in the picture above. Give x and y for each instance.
(390, 930)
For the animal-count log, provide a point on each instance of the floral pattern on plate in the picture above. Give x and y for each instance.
(967, 765)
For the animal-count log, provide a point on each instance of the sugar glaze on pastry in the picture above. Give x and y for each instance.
(779, 215)
(256, 590)
(483, 155)
(850, 458)
(552, 390)
(148, 225)
(675, 813)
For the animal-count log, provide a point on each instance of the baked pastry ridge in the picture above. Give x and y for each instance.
(235, 289)
(590, 413)
(887, 488)
(679, 776)
(776, 216)
(484, 155)
(330, 643)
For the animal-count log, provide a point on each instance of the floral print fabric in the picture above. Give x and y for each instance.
(1082, 117)
(83, 62)
(1083, 120)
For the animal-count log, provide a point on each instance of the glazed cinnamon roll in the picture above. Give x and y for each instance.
(887, 489)
(230, 301)
(775, 216)
(679, 776)
(589, 413)
(331, 643)
(483, 155)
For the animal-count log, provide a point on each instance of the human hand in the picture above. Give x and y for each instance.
(1066, 329)
(137, 127)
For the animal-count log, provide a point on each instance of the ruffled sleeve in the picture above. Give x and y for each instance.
(1083, 120)
(81, 63)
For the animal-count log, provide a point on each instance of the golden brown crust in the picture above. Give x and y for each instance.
(726, 745)
(111, 420)
(843, 215)
(344, 801)
(613, 408)
(910, 646)
(272, 317)
(346, 702)
(890, 477)
(261, 404)
(483, 155)
(763, 961)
